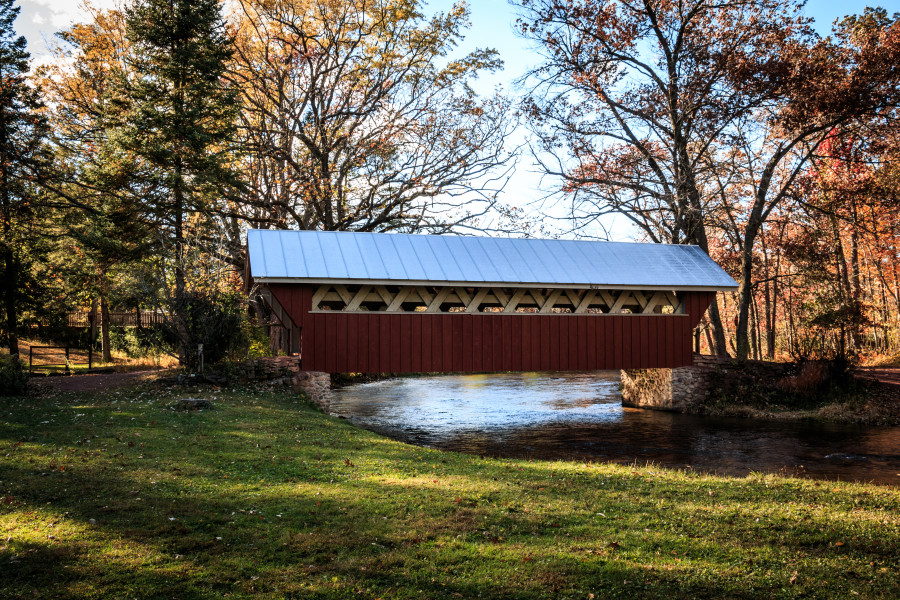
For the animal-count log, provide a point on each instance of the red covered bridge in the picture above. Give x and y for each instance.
(392, 303)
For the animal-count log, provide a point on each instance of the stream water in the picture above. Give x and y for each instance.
(579, 416)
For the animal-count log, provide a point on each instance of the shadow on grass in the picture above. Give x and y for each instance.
(265, 497)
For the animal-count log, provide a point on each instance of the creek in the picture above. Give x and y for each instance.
(579, 416)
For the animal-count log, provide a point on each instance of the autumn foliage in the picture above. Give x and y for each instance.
(711, 123)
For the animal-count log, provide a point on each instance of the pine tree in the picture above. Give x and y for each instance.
(104, 223)
(178, 117)
(22, 129)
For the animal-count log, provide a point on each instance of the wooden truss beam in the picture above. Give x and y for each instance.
(441, 299)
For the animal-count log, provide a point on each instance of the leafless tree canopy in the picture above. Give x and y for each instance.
(355, 119)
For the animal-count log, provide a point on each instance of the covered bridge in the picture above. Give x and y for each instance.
(393, 303)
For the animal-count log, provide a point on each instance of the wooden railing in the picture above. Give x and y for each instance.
(59, 358)
(120, 318)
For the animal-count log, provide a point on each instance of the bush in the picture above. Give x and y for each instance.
(817, 376)
(214, 319)
(259, 342)
(13, 376)
(142, 342)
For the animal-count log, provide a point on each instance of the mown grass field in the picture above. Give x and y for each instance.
(117, 496)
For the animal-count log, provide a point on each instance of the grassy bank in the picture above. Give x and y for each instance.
(117, 496)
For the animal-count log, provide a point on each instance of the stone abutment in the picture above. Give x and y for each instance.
(710, 378)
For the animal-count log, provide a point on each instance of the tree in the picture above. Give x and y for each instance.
(685, 115)
(821, 88)
(93, 178)
(634, 96)
(22, 129)
(354, 117)
(178, 117)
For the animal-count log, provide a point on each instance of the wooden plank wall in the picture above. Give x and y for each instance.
(375, 342)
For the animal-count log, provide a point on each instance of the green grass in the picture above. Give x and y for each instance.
(116, 496)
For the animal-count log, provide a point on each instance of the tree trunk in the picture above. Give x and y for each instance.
(728, 336)
(718, 346)
(93, 321)
(180, 310)
(775, 291)
(840, 261)
(792, 332)
(767, 305)
(9, 299)
(754, 329)
(855, 286)
(104, 319)
(745, 292)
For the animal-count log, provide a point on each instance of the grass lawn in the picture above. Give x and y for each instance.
(117, 496)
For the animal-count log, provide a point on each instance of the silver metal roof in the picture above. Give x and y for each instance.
(351, 257)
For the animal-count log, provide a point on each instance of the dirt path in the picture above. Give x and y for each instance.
(95, 383)
(886, 375)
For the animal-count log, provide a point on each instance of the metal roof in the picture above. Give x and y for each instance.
(352, 257)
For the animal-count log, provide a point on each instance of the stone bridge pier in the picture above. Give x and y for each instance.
(683, 389)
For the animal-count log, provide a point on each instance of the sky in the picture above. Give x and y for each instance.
(493, 23)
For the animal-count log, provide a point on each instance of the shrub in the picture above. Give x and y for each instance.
(259, 342)
(141, 342)
(13, 375)
(215, 320)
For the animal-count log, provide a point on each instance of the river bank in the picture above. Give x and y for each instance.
(865, 402)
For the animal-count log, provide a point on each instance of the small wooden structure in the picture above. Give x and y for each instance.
(391, 303)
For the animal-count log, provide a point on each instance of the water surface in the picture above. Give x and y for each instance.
(579, 416)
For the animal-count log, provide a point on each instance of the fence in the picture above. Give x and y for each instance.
(56, 358)
(144, 318)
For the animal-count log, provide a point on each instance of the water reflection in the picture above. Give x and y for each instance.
(580, 416)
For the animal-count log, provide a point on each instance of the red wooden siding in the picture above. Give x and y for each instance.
(484, 342)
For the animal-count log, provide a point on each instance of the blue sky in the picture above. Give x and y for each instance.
(493, 24)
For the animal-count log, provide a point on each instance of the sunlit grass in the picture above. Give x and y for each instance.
(118, 496)
(78, 363)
